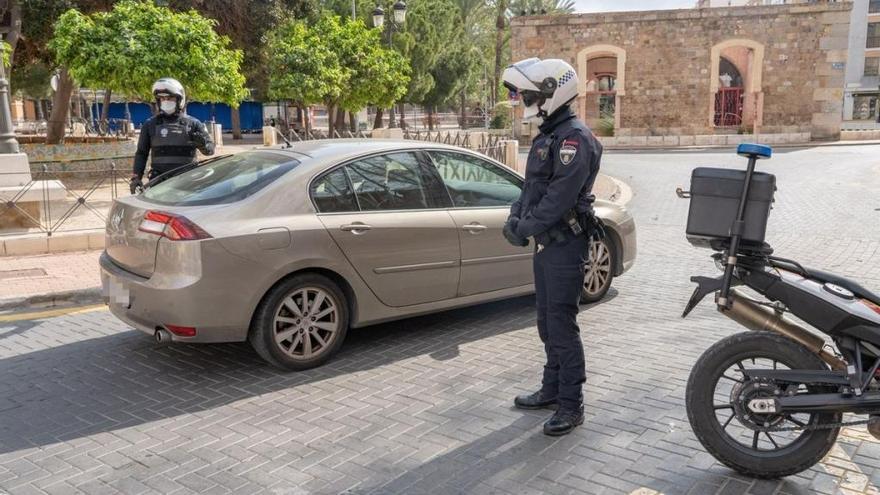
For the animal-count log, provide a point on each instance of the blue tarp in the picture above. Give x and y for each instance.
(251, 113)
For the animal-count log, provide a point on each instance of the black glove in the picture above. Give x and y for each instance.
(136, 184)
(509, 232)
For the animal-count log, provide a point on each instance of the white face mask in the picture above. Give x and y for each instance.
(168, 106)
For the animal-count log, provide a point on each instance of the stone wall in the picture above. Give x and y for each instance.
(795, 85)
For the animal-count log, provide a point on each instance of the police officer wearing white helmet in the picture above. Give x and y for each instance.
(171, 136)
(555, 209)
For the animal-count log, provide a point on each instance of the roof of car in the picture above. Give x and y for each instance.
(324, 150)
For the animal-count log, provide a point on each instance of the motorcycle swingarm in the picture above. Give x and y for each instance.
(843, 403)
(806, 377)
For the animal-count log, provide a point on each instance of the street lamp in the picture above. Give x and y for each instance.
(394, 24)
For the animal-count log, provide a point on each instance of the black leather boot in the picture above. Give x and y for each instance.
(536, 400)
(563, 421)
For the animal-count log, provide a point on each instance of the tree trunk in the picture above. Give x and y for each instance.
(60, 107)
(236, 123)
(331, 112)
(391, 117)
(352, 122)
(76, 108)
(431, 118)
(340, 121)
(377, 122)
(307, 117)
(463, 111)
(38, 108)
(500, 25)
(402, 123)
(105, 107)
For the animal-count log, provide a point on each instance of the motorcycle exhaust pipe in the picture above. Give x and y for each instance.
(754, 316)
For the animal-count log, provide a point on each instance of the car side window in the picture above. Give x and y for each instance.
(394, 181)
(332, 193)
(474, 182)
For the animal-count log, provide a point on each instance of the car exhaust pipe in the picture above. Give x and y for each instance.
(162, 336)
(754, 316)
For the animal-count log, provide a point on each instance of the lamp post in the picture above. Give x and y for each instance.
(8, 143)
(394, 24)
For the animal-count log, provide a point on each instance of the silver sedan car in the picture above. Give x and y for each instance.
(289, 248)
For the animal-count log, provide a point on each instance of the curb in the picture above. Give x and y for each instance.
(78, 297)
(40, 243)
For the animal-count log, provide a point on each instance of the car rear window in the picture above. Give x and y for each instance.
(225, 180)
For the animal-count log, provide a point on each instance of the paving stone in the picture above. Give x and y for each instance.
(423, 405)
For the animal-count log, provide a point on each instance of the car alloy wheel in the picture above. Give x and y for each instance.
(306, 323)
(598, 271)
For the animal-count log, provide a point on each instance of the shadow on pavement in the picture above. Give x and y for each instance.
(124, 380)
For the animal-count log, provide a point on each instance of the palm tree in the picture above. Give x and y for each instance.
(541, 7)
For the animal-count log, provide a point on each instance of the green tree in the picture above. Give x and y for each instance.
(541, 7)
(301, 67)
(340, 63)
(425, 36)
(128, 48)
(247, 23)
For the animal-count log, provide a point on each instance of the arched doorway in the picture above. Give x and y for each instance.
(602, 76)
(736, 99)
(729, 98)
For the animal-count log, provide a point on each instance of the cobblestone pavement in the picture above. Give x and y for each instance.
(424, 405)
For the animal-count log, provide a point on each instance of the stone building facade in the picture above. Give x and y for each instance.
(774, 69)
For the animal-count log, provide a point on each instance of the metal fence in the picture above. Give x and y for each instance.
(489, 145)
(60, 198)
(315, 134)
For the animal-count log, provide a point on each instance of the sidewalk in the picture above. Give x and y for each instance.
(49, 279)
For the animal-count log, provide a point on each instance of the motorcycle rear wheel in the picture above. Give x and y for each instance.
(705, 407)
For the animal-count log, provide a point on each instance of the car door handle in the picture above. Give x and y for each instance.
(474, 228)
(355, 228)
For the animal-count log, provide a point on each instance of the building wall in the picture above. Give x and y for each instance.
(859, 85)
(668, 86)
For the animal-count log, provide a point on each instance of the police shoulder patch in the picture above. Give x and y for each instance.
(568, 151)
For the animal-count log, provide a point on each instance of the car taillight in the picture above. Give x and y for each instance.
(172, 227)
(181, 331)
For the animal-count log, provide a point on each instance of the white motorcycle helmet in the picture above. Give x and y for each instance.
(544, 86)
(169, 87)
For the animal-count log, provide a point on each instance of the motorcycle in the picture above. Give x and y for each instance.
(770, 402)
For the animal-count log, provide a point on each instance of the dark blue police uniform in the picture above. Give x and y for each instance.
(562, 166)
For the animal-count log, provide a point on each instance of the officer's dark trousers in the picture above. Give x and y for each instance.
(559, 279)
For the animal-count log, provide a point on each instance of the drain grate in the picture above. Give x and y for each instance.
(25, 273)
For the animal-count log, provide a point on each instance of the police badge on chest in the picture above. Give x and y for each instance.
(567, 151)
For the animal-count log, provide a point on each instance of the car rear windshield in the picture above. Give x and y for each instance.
(225, 180)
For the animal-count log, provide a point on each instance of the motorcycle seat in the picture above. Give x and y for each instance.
(850, 285)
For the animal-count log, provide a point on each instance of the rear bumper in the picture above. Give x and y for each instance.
(150, 304)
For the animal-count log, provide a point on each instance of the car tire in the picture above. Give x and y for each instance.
(599, 271)
(300, 323)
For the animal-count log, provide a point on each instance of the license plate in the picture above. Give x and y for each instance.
(117, 293)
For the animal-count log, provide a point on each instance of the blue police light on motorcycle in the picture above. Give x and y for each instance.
(759, 151)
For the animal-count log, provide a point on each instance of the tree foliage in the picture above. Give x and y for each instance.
(247, 23)
(128, 48)
(335, 61)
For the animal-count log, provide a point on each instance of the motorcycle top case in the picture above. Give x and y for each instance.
(715, 196)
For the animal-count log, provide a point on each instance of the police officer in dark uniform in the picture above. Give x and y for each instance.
(555, 209)
(171, 136)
